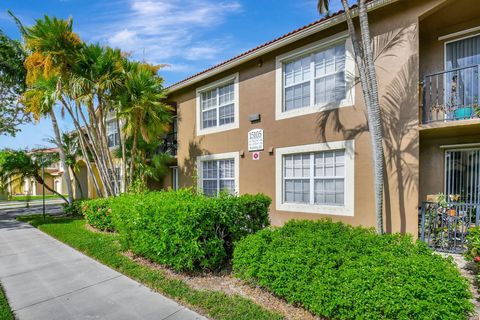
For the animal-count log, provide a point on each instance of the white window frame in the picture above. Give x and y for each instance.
(349, 184)
(312, 48)
(107, 122)
(210, 86)
(219, 156)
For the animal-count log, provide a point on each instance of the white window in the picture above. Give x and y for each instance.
(316, 178)
(112, 133)
(317, 77)
(217, 106)
(218, 173)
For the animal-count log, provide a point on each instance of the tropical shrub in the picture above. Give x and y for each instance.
(74, 208)
(343, 272)
(473, 244)
(98, 213)
(181, 229)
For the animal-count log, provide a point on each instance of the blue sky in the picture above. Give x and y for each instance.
(186, 35)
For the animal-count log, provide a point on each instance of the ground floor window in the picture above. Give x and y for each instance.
(316, 178)
(462, 175)
(218, 173)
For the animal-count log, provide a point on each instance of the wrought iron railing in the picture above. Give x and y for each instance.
(169, 144)
(444, 227)
(451, 95)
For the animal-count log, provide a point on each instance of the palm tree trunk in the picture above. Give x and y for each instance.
(374, 116)
(124, 156)
(83, 145)
(58, 137)
(132, 155)
(364, 60)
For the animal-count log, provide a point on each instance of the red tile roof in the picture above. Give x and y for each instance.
(261, 46)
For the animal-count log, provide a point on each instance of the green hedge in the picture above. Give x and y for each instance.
(98, 213)
(180, 229)
(342, 272)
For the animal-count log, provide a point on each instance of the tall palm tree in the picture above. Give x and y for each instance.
(39, 100)
(141, 107)
(52, 45)
(368, 79)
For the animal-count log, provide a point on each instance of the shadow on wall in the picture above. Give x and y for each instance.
(189, 168)
(399, 119)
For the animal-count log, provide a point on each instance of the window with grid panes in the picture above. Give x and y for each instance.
(218, 176)
(316, 178)
(317, 78)
(217, 106)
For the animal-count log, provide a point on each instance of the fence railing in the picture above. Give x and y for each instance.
(169, 144)
(445, 227)
(451, 95)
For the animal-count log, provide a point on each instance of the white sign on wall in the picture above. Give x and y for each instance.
(256, 155)
(255, 140)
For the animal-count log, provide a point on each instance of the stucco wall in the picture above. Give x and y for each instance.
(397, 69)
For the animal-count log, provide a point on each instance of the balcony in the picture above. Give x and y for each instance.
(169, 144)
(451, 95)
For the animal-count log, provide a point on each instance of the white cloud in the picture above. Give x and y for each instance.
(162, 31)
(123, 38)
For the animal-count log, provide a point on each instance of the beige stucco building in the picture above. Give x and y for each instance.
(302, 91)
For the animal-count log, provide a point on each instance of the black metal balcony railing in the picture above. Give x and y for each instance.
(445, 227)
(451, 95)
(169, 144)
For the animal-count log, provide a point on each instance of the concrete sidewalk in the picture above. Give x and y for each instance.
(45, 279)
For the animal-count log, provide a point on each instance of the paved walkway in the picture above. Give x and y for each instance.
(45, 279)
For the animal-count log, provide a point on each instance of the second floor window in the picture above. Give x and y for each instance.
(317, 78)
(218, 106)
(112, 133)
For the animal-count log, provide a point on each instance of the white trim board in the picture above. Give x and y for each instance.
(348, 208)
(459, 33)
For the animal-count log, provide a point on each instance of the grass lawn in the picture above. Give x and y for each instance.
(106, 249)
(5, 312)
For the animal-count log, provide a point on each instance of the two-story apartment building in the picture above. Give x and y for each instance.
(312, 155)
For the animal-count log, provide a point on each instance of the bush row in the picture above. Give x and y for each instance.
(98, 213)
(343, 272)
(181, 229)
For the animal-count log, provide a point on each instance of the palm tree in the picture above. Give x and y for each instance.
(39, 100)
(141, 107)
(52, 45)
(19, 165)
(368, 79)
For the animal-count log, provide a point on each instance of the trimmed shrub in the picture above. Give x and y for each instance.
(74, 208)
(343, 272)
(184, 230)
(98, 213)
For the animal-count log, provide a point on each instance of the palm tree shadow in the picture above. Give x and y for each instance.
(399, 120)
